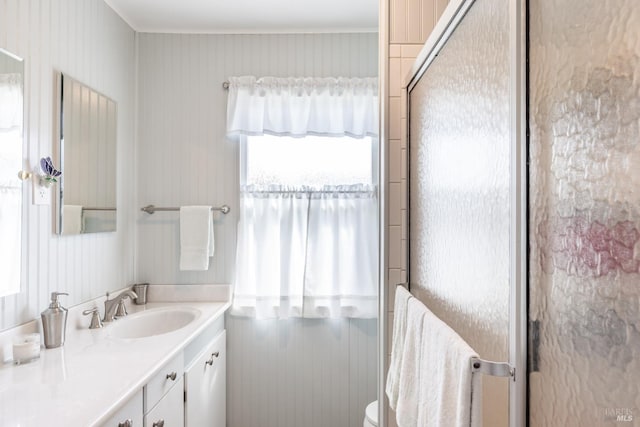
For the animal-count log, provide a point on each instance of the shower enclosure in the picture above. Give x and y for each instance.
(524, 215)
(584, 211)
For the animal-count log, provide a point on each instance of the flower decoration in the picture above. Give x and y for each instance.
(50, 172)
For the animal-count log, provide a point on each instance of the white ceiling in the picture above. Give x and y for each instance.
(248, 16)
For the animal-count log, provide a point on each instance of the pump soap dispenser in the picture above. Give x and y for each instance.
(54, 322)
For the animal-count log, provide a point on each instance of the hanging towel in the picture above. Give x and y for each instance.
(445, 390)
(410, 375)
(397, 346)
(71, 219)
(196, 237)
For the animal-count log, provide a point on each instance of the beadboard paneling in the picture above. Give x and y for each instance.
(87, 40)
(300, 372)
(282, 373)
(184, 157)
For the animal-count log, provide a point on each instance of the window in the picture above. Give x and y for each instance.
(313, 161)
(307, 239)
(308, 229)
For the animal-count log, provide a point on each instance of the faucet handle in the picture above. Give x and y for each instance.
(121, 311)
(96, 323)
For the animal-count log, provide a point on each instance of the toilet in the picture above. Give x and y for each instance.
(371, 415)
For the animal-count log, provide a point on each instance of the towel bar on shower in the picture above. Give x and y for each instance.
(495, 369)
(486, 367)
(150, 209)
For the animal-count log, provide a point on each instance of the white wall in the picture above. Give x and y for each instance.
(184, 157)
(300, 372)
(281, 373)
(88, 41)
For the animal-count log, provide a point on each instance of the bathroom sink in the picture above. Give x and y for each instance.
(156, 321)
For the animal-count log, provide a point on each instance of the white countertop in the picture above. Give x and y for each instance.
(84, 382)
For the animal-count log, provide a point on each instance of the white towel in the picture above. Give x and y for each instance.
(196, 237)
(410, 375)
(71, 219)
(397, 346)
(445, 387)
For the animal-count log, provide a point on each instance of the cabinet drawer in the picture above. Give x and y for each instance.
(131, 411)
(169, 412)
(162, 382)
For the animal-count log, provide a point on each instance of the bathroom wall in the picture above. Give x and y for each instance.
(281, 373)
(88, 41)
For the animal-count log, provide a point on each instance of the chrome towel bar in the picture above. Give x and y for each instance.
(495, 369)
(150, 209)
(98, 209)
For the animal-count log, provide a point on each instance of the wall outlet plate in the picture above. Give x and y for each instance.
(41, 195)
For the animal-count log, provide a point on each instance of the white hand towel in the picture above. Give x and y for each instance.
(445, 387)
(410, 375)
(71, 219)
(397, 346)
(196, 237)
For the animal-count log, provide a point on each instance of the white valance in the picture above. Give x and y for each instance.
(303, 106)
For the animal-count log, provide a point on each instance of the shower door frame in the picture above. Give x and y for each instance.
(518, 239)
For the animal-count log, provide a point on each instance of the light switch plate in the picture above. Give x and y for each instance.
(41, 195)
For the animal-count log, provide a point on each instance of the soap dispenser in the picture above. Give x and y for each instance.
(54, 322)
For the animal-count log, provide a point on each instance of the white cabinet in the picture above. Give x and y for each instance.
(176, 396)
(169, 411)
(130, 415)
(205, 386)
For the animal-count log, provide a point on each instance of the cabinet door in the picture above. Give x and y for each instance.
(205, 385)
(169, 412)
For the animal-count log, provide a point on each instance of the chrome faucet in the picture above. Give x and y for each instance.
(111, 305)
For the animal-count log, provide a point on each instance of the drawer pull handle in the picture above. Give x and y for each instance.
(210, 361)
(172, 376)
(126, 423)
(159, 423)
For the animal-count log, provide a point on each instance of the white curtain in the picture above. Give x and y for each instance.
(307, 253)
(10, 185)
(303, 106)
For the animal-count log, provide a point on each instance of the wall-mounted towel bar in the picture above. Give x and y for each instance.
(98, 209)
(150, 209)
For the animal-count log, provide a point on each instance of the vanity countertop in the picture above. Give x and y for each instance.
(84, 382)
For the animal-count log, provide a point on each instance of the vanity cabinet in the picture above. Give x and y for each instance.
(189, 390)
(130, 415)
(205, 386)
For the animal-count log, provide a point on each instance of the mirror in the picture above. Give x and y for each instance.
(87, 155)
(11, 119)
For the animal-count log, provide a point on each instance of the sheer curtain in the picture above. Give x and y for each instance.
(309, 249)
(10, 185)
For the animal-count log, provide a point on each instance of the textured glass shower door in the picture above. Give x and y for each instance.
(584, 119)
(459, 182)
